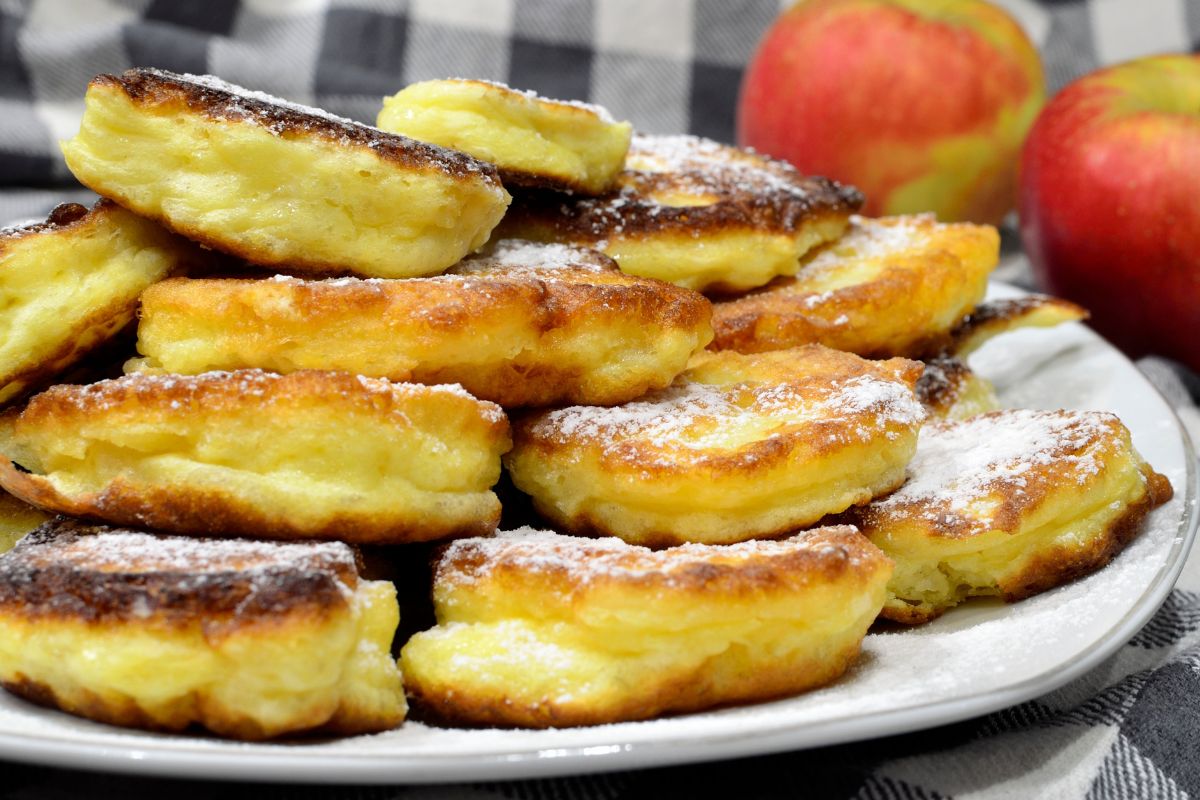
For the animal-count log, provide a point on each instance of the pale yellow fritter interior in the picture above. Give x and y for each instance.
(302, 466)
(514, 649)
(543, 141)
(739, 447)
(260, 681)
(298, 201)
(64, 290)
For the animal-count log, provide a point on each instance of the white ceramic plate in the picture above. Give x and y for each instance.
(976, 659)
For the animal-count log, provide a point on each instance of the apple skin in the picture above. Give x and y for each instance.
(922, 104)
(1110, 203)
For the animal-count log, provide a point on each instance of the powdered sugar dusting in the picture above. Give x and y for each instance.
(178, 393)
(959, 464)
(699, 416)
(583, 561)
(137, 552)
(278, 116)
(872, 239)
(517, 255)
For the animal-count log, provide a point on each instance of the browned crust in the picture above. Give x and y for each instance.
(913, 614)
(559, 301)
(215, 392)
(693, 691)
(812, 368)
(823, 556)
(62, 217)
(1035, 487)
(154, 88)
(625, 214)
(775, 317)
(779, 200)
(999, 316)
(128, 713)
(942, 383)
(40, 580)
(1060, 565)
(513, 178)
(195, 512)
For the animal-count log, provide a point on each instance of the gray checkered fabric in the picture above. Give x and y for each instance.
(1129, 729)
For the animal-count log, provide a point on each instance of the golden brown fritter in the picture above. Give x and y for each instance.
(994, 317)
(894, 286)
(739, 447)
(1009, 503)
(534, 141)
(71, 283)
(949, 388)
(250, 640)
(527, 325)
(323, 455)
(278, 184)
(695, 213)
(541, 630)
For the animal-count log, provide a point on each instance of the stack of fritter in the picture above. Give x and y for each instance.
(358, 392)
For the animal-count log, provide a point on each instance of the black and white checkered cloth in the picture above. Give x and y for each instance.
(1129, 729)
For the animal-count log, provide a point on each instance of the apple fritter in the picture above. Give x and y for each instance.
(324, 455)
(894, 286)
(949, 388)
(251, 640)
(534, 141)
(71, 283)
(1009, 504)
(17, 518)
(994, 317)
(739, 447)
(541, 630)
(526, 325)
(695, 213)
(278, 184)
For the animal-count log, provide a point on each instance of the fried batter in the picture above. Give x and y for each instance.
(1009, 504)
(541, 630)
(740, 446)
(534, 141)
(71, 283)
(528, 325)
(695, 213)
(323, 455)
(250, 640)
(17, 518)
(949, 388)
(278, 184)
(894, 286)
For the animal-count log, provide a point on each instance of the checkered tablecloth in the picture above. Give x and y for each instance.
(1129, 729)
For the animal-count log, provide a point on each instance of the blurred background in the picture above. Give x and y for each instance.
(669, 66)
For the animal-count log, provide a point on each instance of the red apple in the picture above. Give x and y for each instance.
(922, 104)
(1110, 202)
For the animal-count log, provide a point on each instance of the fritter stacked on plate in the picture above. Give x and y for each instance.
(344, 373)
